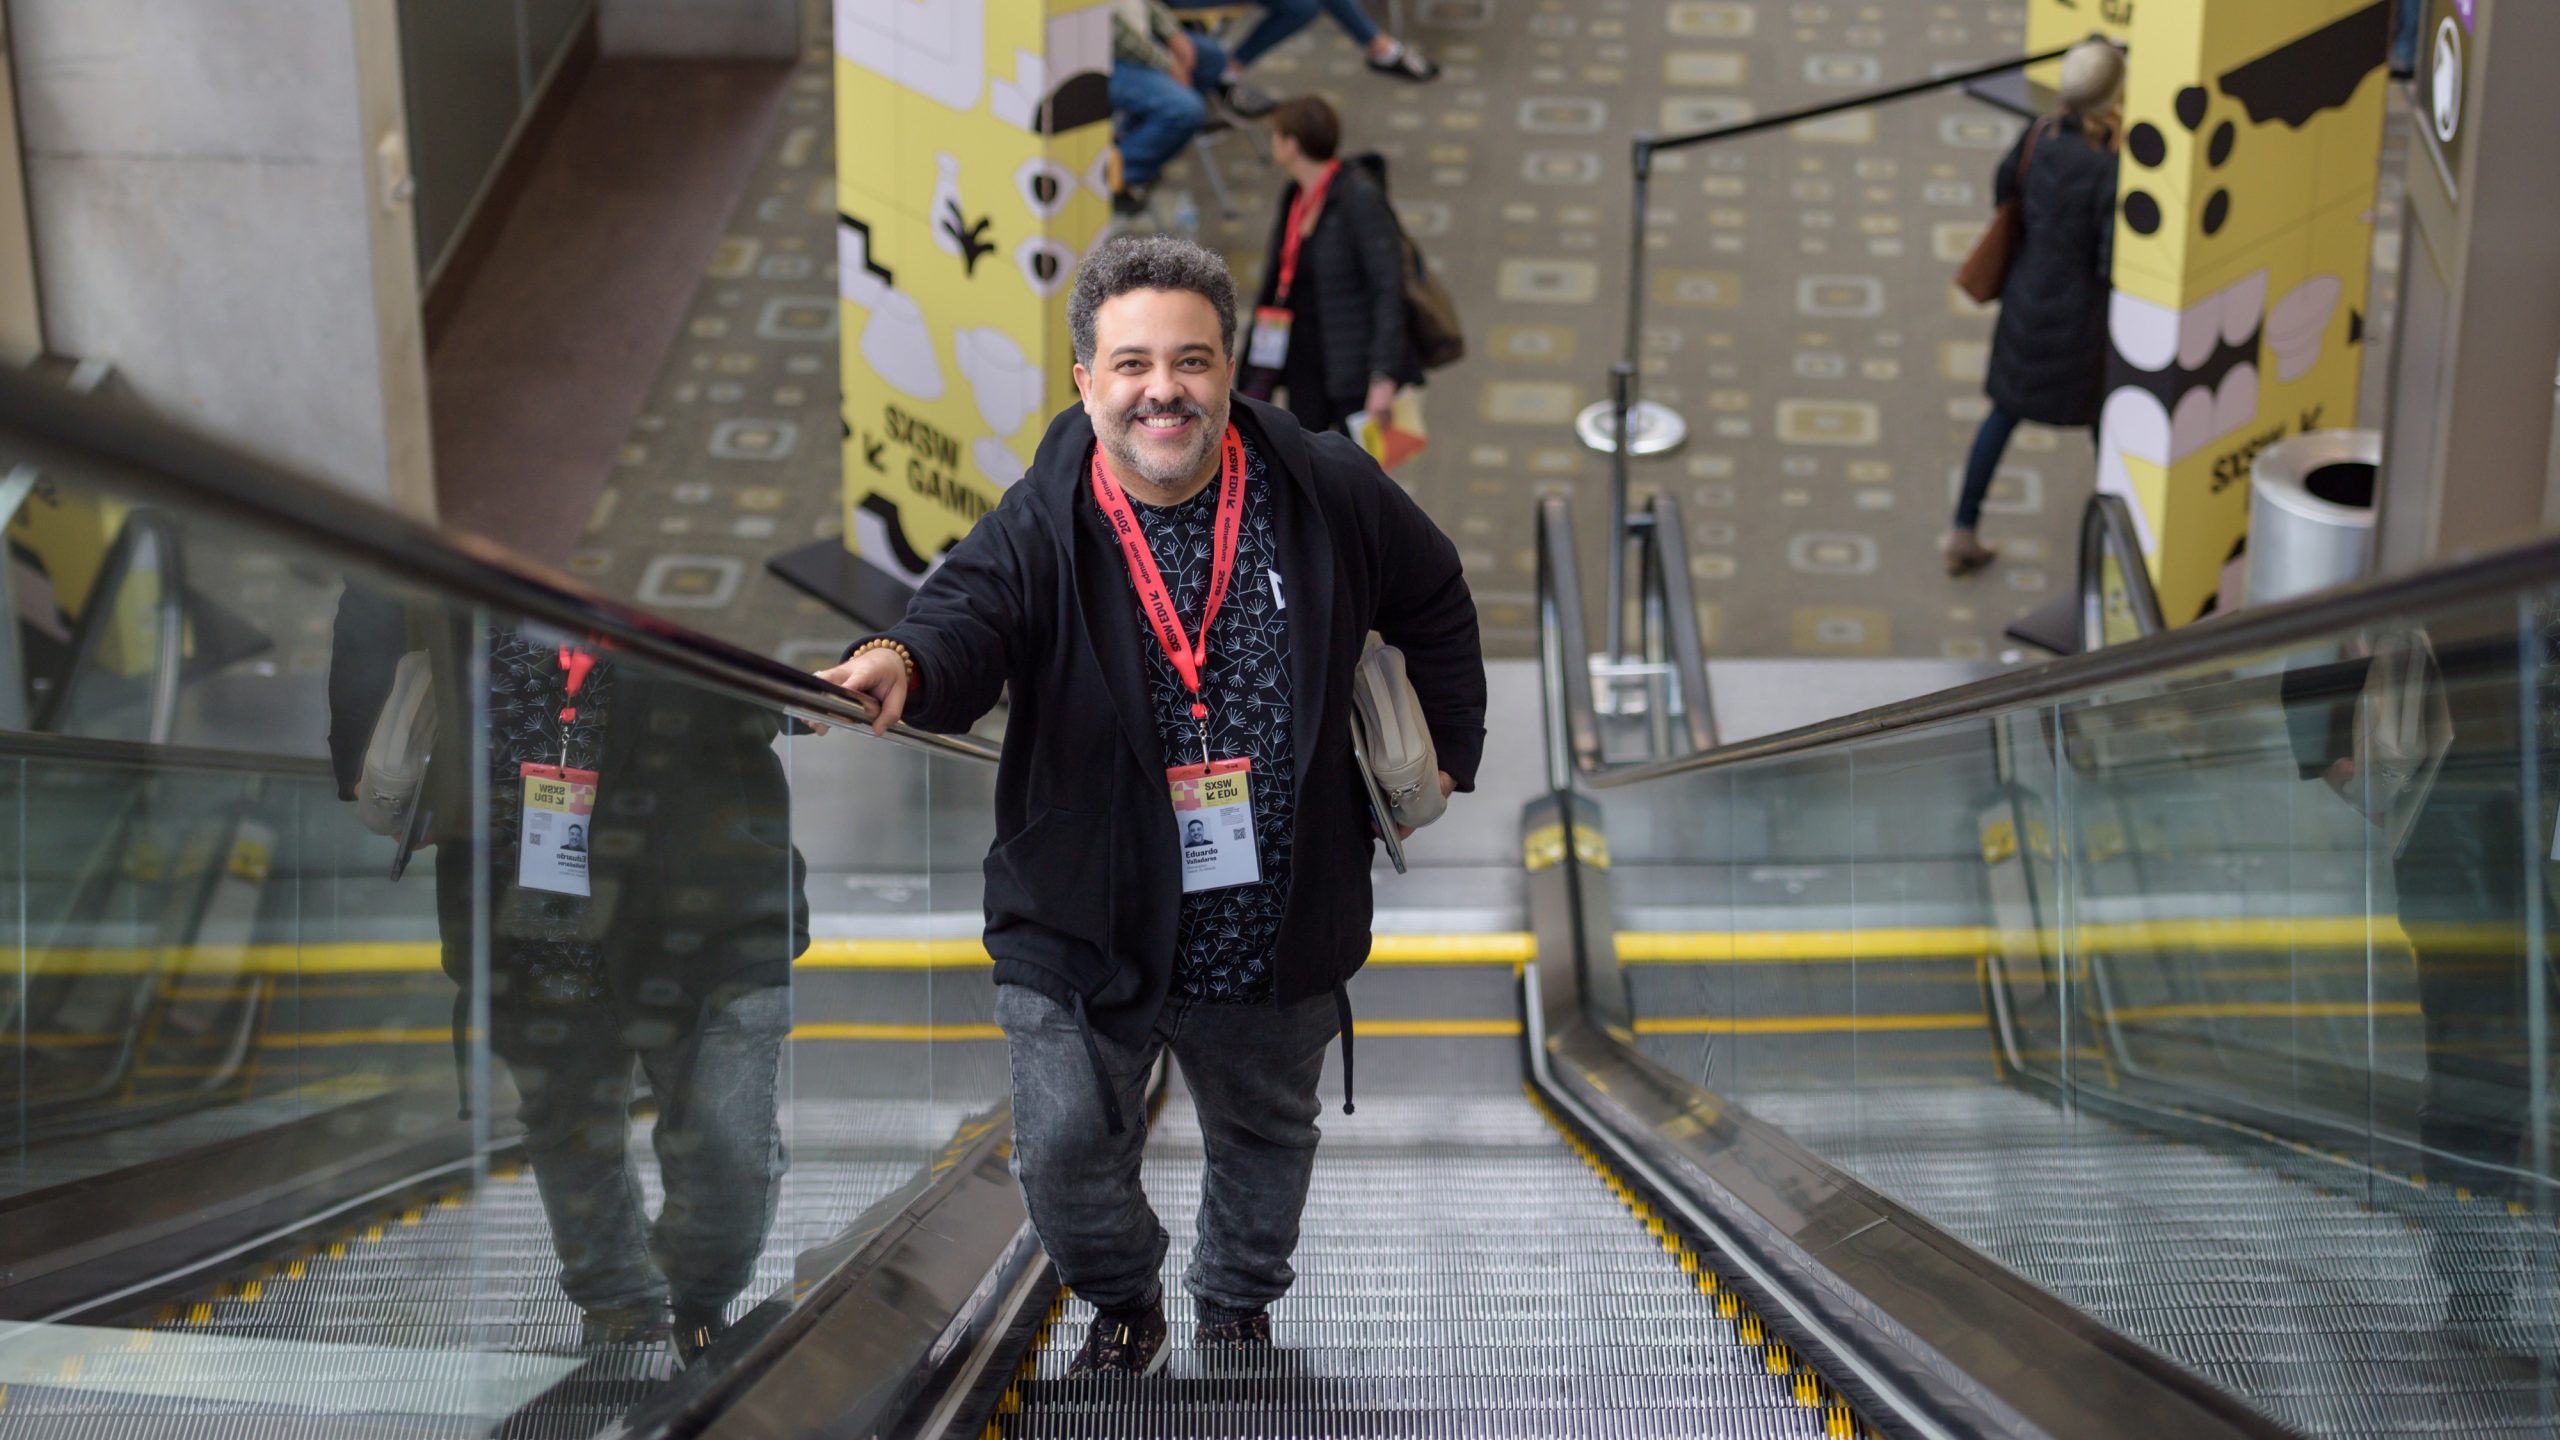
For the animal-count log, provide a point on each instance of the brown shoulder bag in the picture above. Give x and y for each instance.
(1986, 270)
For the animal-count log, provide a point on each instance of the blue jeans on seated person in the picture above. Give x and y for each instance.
(1284, 18)
(1157, 115)
(2409, 18)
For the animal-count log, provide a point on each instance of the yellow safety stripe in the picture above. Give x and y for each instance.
(856, 1031)
(1805, 1024)
(2272, 1010)
(1696, 1261)
(1495, 947)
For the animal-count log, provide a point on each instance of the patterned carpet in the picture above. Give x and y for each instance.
(1799, 317)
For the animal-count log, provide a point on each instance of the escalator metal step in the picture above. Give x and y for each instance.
(1460, 1273)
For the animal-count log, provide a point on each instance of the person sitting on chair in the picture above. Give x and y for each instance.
(1162, 78)
(1283, 18)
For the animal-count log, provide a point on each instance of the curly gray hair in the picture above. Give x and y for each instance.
(1149, 262)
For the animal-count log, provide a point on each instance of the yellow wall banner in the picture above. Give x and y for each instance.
(2244, 229)
(971, 143)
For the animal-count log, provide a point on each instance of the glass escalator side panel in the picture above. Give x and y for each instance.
(2214, 1002)
(448, 1015)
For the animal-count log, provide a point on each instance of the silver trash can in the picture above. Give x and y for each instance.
(2311, 509)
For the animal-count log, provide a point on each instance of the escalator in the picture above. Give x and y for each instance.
(1466, 1268)
(2066, 1053)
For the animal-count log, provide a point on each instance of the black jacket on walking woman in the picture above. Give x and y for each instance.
(2049, 350)
(1348, 298)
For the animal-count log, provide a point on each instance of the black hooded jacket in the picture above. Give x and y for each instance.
(1083, 884)
(2049, 348)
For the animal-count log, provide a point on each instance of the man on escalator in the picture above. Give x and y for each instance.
(1163, 509)
(643, 905)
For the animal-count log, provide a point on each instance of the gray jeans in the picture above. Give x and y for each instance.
(718, 1140)
(1252, 1070)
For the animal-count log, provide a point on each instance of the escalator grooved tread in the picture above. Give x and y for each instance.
(1460, 1273)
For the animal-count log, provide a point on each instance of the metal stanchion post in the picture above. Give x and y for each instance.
(1649, 428)
(1622, 382)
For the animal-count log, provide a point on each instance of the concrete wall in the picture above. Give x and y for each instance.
(700, 29)
(220, 207)
(2468, 448)
(21, 325)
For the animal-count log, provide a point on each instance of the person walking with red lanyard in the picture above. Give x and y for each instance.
(1329, 327)
(1175, 597)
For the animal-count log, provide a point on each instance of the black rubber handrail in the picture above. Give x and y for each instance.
(2107, 532)
(1670, 612)
(2218, 639)
(74, 436)
(1564, 646)
(1668, 600)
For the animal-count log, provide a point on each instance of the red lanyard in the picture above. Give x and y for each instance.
(1190, 655)
(574, 665)
(1310, 201)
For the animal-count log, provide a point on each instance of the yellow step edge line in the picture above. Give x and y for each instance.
(1365, 1029)
(2271, 1010)
(1499, 947)
(1400, 1029)
(437, 1035)
(843, 1031)
(1805, 1024)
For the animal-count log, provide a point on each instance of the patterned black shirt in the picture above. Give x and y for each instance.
(545, 950)
(1222, 948)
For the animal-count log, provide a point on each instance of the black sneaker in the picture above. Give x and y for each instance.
(1129, 1344)
(1129, 201)
(695, 1330)
(1253, 1332)
(1406, 63)
(642, 1322)
(1246, 101)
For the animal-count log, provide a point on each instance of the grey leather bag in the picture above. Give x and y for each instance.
(1394, 743)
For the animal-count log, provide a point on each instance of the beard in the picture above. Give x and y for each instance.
(1134, 456)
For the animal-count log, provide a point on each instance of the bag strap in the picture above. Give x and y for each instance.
(2027, 157)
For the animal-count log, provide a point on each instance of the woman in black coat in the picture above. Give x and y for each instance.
(1329, 322)
(2049, 349)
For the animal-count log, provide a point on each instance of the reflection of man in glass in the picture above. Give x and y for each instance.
(2462, 883)
(678, 961)
(1195, 836)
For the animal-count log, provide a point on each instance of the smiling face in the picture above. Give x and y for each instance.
(1157, 391)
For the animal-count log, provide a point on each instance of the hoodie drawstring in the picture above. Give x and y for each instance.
(1342, 1009)
(1113, 1122)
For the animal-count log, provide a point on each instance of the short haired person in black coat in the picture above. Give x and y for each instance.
(2049, 347)
(1113, 942)
(1344, 300)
